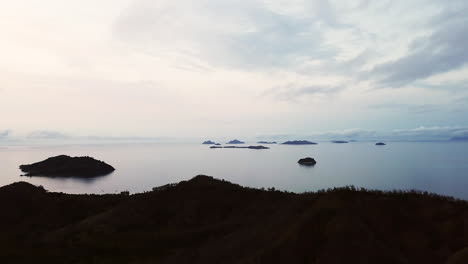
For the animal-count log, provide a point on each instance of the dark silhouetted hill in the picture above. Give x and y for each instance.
(205, 220)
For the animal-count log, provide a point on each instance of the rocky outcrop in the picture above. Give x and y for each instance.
(307, 161)
(380, 144)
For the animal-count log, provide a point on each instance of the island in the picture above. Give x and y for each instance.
(235, 147)
(340, 141)
(235, 141)
(307, 161)
(66, 166)
(209, 142)
(257, 147)
(299, 142)
(380, 144)
(267, 142)
(208, 220)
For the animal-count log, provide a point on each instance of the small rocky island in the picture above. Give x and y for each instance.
(66, 166)
(234, 147)
(380, 144)
(339, 141)
(209, 142)
(235, 141)
(299, 142)
(307, 161)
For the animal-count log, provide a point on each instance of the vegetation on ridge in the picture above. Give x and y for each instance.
(205, 220)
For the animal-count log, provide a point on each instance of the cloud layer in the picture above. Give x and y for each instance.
(153, 68)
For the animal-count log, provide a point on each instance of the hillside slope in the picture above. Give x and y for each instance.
(205, 220)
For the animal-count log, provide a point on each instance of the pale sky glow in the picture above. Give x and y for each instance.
(225, 68)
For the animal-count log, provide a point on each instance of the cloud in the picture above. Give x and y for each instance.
(460, 135)
(353, 133)
(251, 34)
(47, 134)
(4, 134)
(434, 132)
(294, 92)
(418, 133)
(161, 67)
(441, 51)
(408, 108)
(411, 134)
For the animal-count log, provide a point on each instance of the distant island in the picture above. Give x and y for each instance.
(380, 144)
(235, 147)
(299, 142)
(339, 141)
(206, 220)
(209, 142)
(267, 142)
(235, 141)
(66, 166)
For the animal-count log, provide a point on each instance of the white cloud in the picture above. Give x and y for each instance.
(159, 67)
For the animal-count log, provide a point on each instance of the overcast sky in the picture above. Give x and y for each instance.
(212, 68)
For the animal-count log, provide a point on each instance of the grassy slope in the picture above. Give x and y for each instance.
(211, 221)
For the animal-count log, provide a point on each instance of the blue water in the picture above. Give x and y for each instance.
(440, 167)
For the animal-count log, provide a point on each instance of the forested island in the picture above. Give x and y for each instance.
(66, 166)
(205, 220)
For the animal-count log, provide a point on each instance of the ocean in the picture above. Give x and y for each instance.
(439, 167)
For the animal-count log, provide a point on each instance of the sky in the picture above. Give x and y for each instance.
(225, 68)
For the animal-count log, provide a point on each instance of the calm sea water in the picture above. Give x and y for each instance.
(440, 167)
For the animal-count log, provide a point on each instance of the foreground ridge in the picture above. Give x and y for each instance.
(206, 220)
